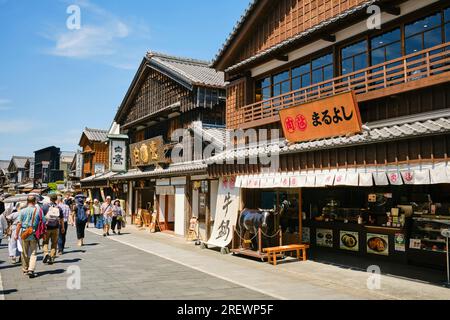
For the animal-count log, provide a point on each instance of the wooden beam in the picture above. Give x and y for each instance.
(391, 9)
(328, 37)
(283, 57)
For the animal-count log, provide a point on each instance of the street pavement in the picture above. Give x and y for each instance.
(139, 265)
(114, 271)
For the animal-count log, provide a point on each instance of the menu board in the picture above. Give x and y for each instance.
(378, 244)
(349, 240)
(324, 238)
(306, 235)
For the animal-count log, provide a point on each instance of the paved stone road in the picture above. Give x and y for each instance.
(111, 270)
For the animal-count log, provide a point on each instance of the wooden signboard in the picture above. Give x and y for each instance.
(325, 118)
(148, 152)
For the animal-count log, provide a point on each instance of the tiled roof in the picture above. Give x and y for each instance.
(214, 134)
(96, 134)
(67, 156)
(195, 72)
(237, 27)
(187, 167)
(394, 129)
(4, 164)
(20, 162)
(99, 177)
(359, 8)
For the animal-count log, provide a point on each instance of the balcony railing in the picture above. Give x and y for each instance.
(432, 66)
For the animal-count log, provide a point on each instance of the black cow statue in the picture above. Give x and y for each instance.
(251, 220)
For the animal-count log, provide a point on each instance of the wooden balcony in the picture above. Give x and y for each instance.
(418, 70)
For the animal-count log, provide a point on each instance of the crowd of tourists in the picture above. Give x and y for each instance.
(29, 224)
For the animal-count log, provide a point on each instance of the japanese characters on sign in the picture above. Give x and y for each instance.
(325, 118)
(79, 165)
(226, 212)
(148, 152)
(118, 156)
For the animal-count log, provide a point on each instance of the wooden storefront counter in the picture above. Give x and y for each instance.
(361, 232)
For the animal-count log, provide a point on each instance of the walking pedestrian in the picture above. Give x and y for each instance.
(81, 217)
(96, 210)
(117, 217)
(88, 205)
(13, 244)
(62, 235)
(3, 226)
(29, 219)
(107, 211)
(55, 222)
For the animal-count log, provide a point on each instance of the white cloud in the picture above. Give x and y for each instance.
(16, 126)
(103, 37)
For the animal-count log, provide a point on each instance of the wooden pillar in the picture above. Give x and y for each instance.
(208, 211)
(300, 217)
(187, 204)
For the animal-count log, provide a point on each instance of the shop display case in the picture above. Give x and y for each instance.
(426, 233)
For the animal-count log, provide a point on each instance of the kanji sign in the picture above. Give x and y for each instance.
(330, 117)
(148, 152)
(226, 212)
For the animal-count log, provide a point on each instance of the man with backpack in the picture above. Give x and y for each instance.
(30, 219)
(82, 212)
(55, 219)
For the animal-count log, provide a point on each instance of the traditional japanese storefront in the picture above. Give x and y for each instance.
(169, 102)
(363, 119)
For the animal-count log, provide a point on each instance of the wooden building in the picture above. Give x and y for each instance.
(95, 162)
(169, 94)
(289, 64)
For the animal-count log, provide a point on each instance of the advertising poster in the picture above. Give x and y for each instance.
(378, 244)
(306, 235)
(349, 240)
(324, 238)
(400, 242)
(415, 244)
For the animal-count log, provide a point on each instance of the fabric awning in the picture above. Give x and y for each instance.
(418, 174)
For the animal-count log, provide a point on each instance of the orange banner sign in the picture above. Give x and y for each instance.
(330, 117)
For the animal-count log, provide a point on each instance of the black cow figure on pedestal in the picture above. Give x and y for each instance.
(251, 220)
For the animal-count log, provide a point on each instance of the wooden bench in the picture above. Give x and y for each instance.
(274, 251)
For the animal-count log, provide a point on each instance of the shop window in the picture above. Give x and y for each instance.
(354, 57)
(322, 68)
(386, 47)
(263, 89)
(301, 76)
(424, 33)
(447, 24)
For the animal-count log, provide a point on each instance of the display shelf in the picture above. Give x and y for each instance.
(429, 250)
(429, 230)
(434, 241)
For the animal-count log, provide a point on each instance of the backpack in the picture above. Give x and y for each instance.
(81, 214)
(53, 217)
(41, 229)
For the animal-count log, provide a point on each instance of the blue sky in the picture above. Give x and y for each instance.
(55, 81)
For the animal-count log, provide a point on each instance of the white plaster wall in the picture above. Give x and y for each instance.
(179, 211)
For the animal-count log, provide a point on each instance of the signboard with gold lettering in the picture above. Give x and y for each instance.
(148, 152)
(325, 118)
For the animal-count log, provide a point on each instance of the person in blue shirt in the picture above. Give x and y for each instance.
(29, 217)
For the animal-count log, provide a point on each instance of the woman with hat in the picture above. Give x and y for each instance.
(117, 217)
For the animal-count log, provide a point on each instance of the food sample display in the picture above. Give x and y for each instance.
(426, 233)
(349, 240)
(378, 244)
